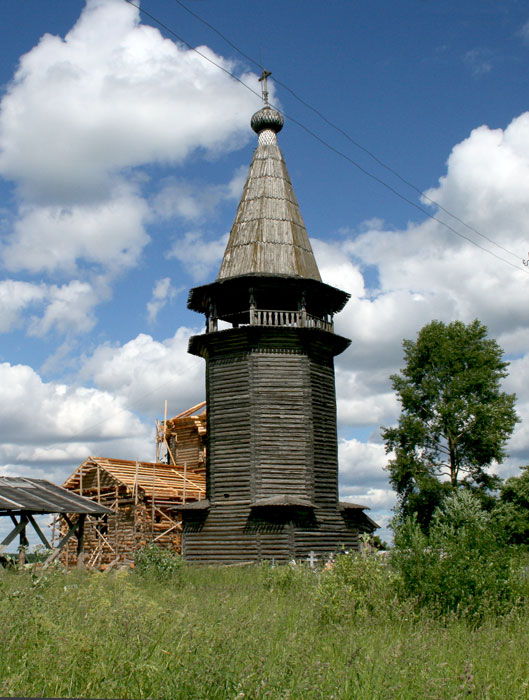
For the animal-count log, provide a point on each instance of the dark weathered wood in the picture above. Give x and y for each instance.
(271, 430)
(80, 541)
(11, 536)
(39, 532)
(272, 453)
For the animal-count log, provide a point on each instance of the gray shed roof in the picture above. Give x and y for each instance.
(41, 496)
(268, 235)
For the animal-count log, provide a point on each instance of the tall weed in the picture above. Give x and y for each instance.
(225, 635)
(356, 584)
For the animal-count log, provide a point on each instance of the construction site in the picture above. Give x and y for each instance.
(145, 497)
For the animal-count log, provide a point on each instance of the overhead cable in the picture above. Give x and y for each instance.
(344, 133)
(336, 150)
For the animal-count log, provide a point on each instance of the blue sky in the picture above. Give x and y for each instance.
(122, 157)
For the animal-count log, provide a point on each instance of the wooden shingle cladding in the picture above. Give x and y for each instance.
(272, 455)
(268, 234)
(237, 533)
(144, 498)
(272, 448)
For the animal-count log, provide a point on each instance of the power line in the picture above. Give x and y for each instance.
(336, 150)
(344, 133)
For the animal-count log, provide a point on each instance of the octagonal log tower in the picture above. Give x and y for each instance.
(272, 463)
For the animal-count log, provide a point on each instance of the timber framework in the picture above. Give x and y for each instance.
(144, 501)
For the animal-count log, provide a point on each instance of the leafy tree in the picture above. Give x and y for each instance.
(455, 420)
(512, 509)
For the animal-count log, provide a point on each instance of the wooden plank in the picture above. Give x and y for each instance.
(73, 527)
(11, 535)
(39, 532)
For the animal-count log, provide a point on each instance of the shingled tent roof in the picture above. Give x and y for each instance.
(268, 235)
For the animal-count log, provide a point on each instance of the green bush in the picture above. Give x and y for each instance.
(462, 566)
(356, 584)
(157, 562)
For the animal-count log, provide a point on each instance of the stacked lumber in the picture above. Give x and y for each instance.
(185, 438)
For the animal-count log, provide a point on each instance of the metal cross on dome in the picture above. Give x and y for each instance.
(264, 75)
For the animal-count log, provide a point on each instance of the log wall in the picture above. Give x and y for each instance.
(187, 447)
(114, 539)
(271, 433)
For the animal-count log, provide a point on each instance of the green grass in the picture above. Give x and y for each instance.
(246, 633)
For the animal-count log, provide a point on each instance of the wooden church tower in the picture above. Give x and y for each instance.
(272, 466)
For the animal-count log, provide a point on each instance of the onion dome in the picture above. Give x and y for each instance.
(267, 118)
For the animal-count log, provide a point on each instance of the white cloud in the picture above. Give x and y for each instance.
(427, 273)
(109, 234)
(15, 297)
(70, 308)
(195, 201)
(81, 119)
(478, 61)
(199, 256)
(121, 96)
(363, 480)
(144, 372)
(162, 292)
(35, 412)
(524, 32)
(48, 428)
(362, 463)
(336, 269)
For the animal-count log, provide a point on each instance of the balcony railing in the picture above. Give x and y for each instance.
(290, 319)
(294, 319)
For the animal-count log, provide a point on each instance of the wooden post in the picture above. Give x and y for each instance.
(185, 481)
(54, 525)
(135, 491)
(39, 532)
(11, 536)
(57, 550)
(23, 540)
(165, 426)
(116, 517)
(152, 500)
(80, 541)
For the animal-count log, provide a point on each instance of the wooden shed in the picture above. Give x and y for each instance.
(25, 498)
(144, 498)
